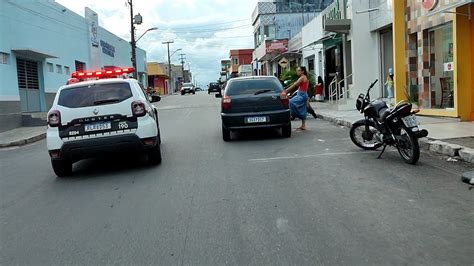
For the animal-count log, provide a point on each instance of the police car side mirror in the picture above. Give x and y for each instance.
(155, 98)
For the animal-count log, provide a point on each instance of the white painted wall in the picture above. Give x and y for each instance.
(365, 51)
(312, 32)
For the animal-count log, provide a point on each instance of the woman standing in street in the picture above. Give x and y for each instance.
(298, 104)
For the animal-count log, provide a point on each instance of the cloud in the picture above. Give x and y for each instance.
(205, 30)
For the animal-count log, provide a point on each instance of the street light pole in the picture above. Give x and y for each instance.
(182, 66)
(133, 42)
(169, 67)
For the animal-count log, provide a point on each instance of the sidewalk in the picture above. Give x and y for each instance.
(21, 136)
(447, 136)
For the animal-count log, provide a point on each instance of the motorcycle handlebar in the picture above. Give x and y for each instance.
(371, 86)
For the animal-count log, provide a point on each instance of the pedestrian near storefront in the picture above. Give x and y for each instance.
(298, 104)
(389, 85)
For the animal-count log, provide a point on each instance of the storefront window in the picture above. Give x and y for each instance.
(441, 67)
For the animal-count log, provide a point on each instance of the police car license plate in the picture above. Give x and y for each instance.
(410, 121)
(257, 119)
(97, 126)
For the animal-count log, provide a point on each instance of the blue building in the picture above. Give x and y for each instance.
(41, 44)
(275, 23)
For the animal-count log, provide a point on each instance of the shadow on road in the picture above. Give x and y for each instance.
(114, 167)
(256, 135)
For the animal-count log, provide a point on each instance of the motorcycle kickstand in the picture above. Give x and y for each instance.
(383, 150)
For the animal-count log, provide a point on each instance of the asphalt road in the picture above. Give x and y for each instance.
(314, 199)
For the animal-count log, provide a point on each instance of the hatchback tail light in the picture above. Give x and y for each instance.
(138, 109)
(54, 118)
(226, 102)
(284, 99)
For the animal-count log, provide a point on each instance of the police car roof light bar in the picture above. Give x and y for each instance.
(102, 74)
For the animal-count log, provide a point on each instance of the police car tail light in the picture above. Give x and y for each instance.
(138, 109)
(54, 118)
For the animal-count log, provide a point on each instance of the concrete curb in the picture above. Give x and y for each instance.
(23, 141)
(453, 150)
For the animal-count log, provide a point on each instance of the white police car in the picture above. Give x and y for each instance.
(98, 114)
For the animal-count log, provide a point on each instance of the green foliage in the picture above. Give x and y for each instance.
(291, 76)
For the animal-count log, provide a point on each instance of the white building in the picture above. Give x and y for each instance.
(351, 42)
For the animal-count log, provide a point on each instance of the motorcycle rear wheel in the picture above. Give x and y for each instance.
(363, 139)
(408, 146)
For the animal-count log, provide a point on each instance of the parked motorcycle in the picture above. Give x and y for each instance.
(382, 126)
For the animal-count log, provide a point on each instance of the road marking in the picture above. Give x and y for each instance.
(308, 156)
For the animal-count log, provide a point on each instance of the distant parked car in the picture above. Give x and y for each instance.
(198, 89)
(188, 88)
(254, 102)
(214, 87)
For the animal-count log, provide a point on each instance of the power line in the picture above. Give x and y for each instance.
(205, 30)
(214, 24)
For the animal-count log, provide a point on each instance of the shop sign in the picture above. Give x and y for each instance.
(429, 4)
(283, 62)
(332, 12)
(107, 48)
(449, 67)
(280, 46)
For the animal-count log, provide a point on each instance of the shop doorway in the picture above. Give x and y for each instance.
(386, 54)
(28, 85)
(333, 66)
(441, 94)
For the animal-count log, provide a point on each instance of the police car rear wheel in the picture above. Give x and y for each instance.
(154, 156)
(62, 168)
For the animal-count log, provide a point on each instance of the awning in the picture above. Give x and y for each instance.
(320, 41)
(448, 8)
(25, 52)
(339, 26)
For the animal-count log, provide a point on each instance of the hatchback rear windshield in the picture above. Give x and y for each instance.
(251, 86)
(96, 94)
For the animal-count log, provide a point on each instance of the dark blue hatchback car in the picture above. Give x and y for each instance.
(254, 102)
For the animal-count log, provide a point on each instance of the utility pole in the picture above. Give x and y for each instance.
(182, 66)
(171, 85)
(133, 42)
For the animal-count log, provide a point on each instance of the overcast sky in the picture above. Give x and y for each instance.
(205, 29)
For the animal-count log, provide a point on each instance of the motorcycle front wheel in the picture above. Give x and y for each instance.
(408, 146)
(365, 139)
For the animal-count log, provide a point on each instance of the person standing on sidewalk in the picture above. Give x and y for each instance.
(389, 84)
(299, 103)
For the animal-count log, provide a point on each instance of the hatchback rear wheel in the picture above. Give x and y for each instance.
(286, 131)
(225, 134)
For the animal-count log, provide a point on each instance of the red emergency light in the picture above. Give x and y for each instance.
(102, 74)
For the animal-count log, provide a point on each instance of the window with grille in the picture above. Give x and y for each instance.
(3, 58)
(80, 66)
(59, 69)
(50, 67)
(27, 72)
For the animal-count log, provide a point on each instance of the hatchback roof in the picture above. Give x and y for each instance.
(253, 78)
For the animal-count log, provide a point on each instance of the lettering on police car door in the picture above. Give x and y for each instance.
(123, 125)
(73, 133)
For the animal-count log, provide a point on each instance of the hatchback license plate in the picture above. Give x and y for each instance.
(257, 119)
(98, 126)
(410, 121)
